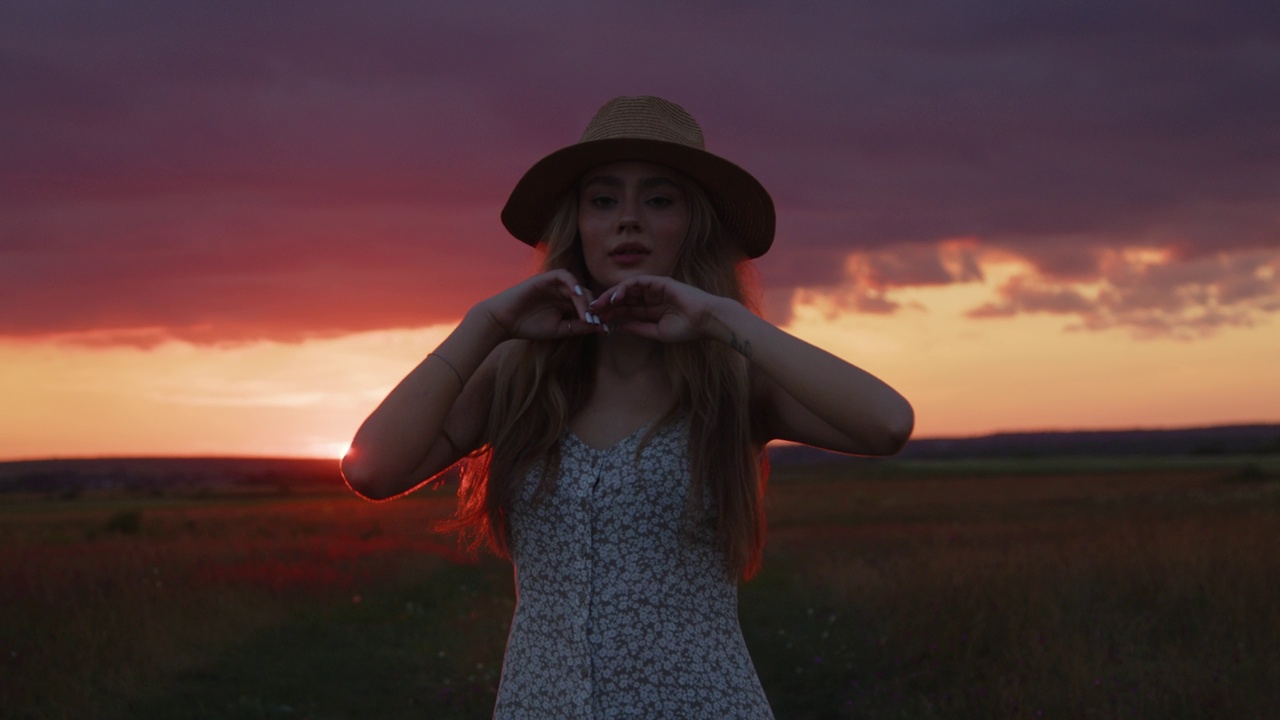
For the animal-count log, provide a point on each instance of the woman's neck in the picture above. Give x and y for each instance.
(622, 356)
(631, 389)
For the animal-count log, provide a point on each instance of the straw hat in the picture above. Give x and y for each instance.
(653, 130)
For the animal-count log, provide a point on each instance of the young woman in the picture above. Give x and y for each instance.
(615, 409)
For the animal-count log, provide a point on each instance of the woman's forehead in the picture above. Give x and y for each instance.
(633, 170)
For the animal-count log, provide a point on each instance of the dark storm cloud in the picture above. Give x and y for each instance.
(235, 170)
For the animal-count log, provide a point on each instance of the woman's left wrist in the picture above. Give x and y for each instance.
(724, 319)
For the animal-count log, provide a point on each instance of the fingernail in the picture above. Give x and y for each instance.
(606, 328)
(577, 290)
(615, 296)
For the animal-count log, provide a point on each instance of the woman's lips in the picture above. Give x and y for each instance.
(629, 254)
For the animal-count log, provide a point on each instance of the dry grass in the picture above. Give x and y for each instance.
(104, 600)
(1110, 594)
(1067, 596)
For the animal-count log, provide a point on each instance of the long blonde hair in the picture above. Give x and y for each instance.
(541, 387)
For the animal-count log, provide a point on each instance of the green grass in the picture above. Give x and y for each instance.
(1135, 592)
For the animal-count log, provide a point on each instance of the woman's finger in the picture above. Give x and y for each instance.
(577, 296)
(588, 312)
(581, 298)
(562, 290)
(614, 296)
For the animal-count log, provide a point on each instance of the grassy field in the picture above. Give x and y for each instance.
(1010, 589)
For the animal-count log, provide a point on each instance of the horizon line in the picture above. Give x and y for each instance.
(777, 443)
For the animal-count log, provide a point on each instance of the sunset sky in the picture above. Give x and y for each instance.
(230, 227)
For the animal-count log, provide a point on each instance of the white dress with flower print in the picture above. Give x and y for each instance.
(622, 611)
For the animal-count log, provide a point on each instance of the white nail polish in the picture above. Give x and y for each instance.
(577, 290)
(615, 296)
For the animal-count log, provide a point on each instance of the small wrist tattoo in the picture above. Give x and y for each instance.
(742, 346)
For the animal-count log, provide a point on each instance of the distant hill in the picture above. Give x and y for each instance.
(167, 474)
(71, 476)
(1220, 440)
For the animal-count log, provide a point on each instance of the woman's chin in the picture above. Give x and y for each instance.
(617, 273)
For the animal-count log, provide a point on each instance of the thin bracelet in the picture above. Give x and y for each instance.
(456, 374)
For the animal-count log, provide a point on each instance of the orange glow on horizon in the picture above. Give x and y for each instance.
(965, 377)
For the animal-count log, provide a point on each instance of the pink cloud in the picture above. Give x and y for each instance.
(1022, 296)
(1154, 294)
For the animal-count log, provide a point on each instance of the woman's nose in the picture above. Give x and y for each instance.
(629, 217)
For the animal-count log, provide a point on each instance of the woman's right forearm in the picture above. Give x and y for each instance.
(394, 440)
(392, 451)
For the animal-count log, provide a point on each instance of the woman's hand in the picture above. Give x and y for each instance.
(547, 306)
(656, 307)
(804, 394)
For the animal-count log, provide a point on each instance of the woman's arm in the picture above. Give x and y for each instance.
(436, 414)
(811, 396)
(401, 443)
(807, 394)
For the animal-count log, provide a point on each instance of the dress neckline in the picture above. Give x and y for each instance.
(617, 444)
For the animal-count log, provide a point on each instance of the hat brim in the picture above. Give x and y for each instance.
(740, 201)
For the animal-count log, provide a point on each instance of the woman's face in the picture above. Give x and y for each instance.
(632, 218)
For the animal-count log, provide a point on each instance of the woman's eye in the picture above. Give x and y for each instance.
(603, 201)
(660, 201)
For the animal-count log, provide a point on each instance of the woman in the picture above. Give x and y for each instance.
(616, 407)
